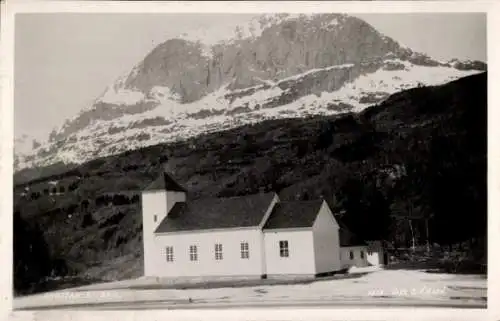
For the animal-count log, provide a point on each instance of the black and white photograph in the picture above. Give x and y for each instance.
(192, 160)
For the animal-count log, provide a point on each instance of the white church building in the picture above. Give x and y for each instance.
(246, 236)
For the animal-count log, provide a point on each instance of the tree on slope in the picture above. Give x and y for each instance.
(31, 255)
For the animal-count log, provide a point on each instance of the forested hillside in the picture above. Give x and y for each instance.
(409, 169)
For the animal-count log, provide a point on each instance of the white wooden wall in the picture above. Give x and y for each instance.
(326, 241)
(301, 254)
(206, 266)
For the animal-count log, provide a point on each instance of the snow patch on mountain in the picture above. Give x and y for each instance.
(264, 81)
(258, 98)
(248, 27)
(311, 71)
(162, 93)
(121, 96)
(392, 81)
(228, 32)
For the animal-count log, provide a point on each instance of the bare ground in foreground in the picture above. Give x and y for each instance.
(371, 286)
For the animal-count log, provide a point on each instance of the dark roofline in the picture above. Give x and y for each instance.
(284, 229)
(165, 182)
(217, 229)
(302, 202)
(247, 207)
(178, 187)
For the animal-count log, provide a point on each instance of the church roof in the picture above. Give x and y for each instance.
(217, 213)
(165, 182)
(240, 211)
(293, 214)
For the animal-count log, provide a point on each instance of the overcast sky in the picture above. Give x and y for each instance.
(64, 61)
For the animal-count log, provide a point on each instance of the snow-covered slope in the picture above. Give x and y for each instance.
(276, 66)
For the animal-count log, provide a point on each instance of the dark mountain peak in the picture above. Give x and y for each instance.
(285, 45)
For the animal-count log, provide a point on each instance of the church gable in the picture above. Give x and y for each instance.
(295, 214)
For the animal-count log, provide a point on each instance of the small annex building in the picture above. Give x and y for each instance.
(245, 236)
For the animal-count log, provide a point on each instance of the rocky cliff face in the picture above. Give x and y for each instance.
(285, 48)
(276, 66)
